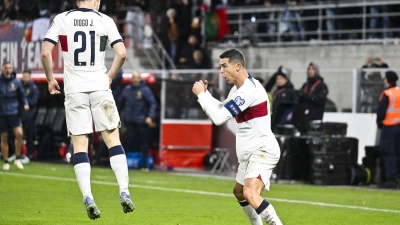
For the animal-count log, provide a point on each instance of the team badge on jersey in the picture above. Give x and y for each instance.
(239, 101)
(12, 86)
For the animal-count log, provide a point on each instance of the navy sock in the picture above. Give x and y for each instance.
(81, 157)
(116, 150)
(264, 204)
(243, 203)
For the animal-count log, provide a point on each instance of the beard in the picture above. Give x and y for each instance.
(7, 75)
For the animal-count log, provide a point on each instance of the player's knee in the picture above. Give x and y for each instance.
(249, 194)
(18, 135)
(4, 138)
(238, 193)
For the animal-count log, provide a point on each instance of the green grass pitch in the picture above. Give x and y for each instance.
(45, 193)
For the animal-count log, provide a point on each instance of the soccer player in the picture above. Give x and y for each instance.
(83, 35)
(256, 147)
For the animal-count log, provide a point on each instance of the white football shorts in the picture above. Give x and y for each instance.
(260, 165)
(82, 109)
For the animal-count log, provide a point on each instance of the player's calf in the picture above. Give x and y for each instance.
(268, 213)
(250, 213)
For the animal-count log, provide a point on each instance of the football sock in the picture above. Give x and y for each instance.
(120, 167)
(82, 172)
(251, 214)
(268, 213)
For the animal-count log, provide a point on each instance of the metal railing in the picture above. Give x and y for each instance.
(245, 21)
(350, 89)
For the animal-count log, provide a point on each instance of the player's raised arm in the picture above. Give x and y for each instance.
(47, 63)
(218, 114)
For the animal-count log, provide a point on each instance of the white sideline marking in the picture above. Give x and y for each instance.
(199, 192)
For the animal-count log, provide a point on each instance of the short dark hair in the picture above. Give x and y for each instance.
(7, 62)
(235, 56)
(27, 71)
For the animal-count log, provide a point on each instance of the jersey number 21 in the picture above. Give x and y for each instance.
(83, 47)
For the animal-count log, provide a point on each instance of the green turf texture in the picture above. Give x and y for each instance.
(45, 193)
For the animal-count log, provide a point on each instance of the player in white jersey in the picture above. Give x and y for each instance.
(83, 34)
(256, 147)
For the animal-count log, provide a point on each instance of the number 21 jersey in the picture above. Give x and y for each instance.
(83, 35)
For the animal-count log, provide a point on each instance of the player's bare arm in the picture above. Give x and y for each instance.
(47, 63)
(119, 60)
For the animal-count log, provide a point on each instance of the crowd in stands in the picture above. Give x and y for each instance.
(293, 26)
(178, 23)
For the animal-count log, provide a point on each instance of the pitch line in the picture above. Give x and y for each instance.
(199, 192)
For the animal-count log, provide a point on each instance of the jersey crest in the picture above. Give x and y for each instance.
(239, 101)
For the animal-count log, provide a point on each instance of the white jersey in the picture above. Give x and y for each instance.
(249, 106)
(83, 35)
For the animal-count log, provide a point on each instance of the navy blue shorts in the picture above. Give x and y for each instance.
(9, 122)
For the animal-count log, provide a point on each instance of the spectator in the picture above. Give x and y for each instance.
(160, 27)
(12, 96)
(284, 99)
(311, 99)
(184, 12)
(28, 119)
(330, 22)
(198, 17)
(9, 12)
(173, 30)
(200, 62)
(186, 55)
(371, 84)
(121, 14)
(373, 63)
(388, 119)
(250, 23)
(296, 26)
(26, 10)
(270, 27)
(135, 20)
(373, 22)
(139, 105)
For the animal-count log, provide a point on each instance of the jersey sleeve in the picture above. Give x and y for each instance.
(52, 32)
(113, 33)
(215, 111)
(239, 101)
